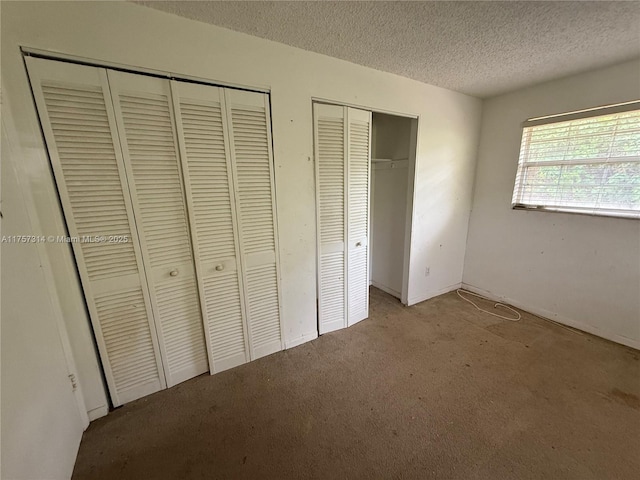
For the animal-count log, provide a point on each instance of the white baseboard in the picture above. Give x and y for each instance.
(98, 412)
(388, 290)
(307, 337)
(433, 293)
(629, 342)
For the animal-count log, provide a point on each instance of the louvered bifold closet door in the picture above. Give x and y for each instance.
(358, 176)
(144, 115)
(252, 162)
(77, 118)
(330, 152)
(206, 162)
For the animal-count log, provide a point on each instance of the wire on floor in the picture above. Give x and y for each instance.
(497, 304)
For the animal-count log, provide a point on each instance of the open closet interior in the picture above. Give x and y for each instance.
(168, 195)
(392, 147)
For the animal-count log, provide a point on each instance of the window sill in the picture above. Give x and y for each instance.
(577, 211)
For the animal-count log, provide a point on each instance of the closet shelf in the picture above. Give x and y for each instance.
(380, 160)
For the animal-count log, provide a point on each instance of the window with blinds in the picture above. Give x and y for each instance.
(582, 162)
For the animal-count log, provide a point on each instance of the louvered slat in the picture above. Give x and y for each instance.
(358, 180)
(146, 125)
(123, 321)
(178, 301)
(208, 176)
(206, 165)
(330, 177)
(262, 300)
(253, 178)
(79, 129)
(91, 175)
(249, 132)
(332, 287)
(157, 181)
(222, 294)
(358, 214)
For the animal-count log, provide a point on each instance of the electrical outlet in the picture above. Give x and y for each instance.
(427, 271)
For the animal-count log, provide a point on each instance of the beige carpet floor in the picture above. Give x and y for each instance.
(437, 390)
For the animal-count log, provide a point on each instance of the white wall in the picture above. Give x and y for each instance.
(388, 214)
(129, 34)
(580, 270)
(41, 425)
(390, 136)
(389, 183)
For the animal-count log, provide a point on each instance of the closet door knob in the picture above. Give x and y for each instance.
(219, 267)
(359, 244)
(173, 273)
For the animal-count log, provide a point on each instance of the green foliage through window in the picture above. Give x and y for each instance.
(589, 165)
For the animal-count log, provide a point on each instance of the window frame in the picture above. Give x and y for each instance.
(518, 188)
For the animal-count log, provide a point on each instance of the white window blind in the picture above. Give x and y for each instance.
(584, 162)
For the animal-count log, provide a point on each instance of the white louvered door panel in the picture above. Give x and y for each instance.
(358, 173)
(206, 162)
(330, 144)
(250, 141)
(144, 115)
(77, 118)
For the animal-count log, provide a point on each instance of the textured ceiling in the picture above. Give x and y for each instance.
(478, 48)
